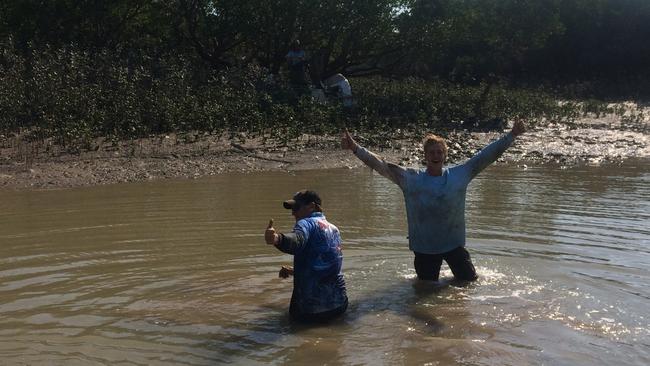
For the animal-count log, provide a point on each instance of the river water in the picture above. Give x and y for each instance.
(177, 273)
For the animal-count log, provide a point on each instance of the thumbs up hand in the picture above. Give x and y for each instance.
(270, 235)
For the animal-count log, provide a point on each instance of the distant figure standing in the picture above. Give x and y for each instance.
(319, 293)
(435, 201)
(296, 64)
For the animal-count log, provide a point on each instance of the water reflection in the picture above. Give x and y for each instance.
(176, 272)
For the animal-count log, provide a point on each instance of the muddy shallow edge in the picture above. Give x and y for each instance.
(43, 166)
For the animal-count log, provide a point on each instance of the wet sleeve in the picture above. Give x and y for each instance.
(391, 171)
(293, 242)
(488, 155)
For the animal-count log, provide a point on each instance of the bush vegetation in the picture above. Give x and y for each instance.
(75, 96)
(75, 71)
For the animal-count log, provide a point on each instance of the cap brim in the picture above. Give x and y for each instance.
(288, 204)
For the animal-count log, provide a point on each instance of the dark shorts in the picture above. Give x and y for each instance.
(427, 266)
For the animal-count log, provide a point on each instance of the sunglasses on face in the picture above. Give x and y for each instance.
(298, 205)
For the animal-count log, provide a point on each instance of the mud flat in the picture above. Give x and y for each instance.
(43, 165)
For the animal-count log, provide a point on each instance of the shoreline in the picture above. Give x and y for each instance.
(46, 166)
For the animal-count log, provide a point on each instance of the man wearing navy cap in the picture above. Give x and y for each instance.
(319, 292)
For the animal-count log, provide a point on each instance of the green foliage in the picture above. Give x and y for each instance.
(415, 103)
(472, 39)
(76, 96)
(80, 69)
(460, 40)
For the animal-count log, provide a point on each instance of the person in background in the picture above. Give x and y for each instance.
(296, 61)
(435, 201)
(319, 292)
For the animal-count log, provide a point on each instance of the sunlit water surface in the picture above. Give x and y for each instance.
(177, 272)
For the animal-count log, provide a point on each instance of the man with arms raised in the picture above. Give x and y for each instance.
(435, 201)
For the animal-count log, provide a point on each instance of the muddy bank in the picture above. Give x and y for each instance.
(39, 165)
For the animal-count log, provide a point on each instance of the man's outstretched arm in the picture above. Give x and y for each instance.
(493, 151)
(391, 171)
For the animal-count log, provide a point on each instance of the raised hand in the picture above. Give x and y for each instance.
(270, 235)
(518, 128)
(347, 142)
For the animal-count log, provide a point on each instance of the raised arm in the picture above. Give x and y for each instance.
(493, 151)
(391, 171)
(283, 243)
(288, 243)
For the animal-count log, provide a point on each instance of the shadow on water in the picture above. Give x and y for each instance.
(273, 338)
(412, 301)
(416, 301)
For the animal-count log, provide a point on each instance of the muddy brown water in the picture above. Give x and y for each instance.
(177, 273)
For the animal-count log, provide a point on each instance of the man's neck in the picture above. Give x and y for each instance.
(435, 172)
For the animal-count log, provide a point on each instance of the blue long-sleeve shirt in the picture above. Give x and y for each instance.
(435, 205)
(318, 283)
